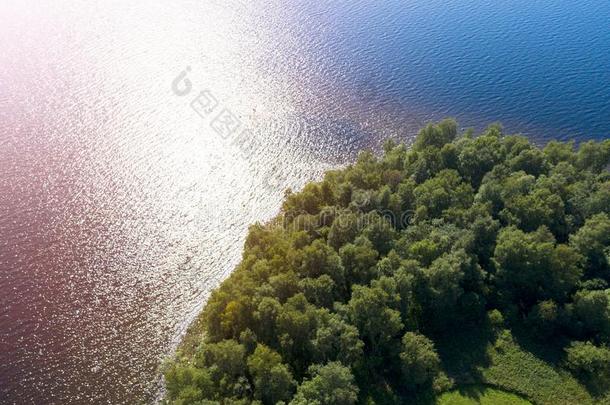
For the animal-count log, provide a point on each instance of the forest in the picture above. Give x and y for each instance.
(458, 263)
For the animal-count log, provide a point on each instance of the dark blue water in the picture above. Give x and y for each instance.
(539, 67)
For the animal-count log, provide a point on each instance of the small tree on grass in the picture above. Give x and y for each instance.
(590, 362)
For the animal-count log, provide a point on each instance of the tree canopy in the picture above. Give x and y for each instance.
(342, 298)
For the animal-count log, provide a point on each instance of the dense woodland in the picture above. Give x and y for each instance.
(386, 281)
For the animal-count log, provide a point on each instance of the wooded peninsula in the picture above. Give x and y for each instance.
(458, 268)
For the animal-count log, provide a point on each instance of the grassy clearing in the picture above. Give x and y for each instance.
(480, 395)
(517, 370)
(479, 357)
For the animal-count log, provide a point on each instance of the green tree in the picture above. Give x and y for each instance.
(436, 135)
(318, 259)
(319, 291)
(373, 311)
(359, 260)
(336, 340)
(478, 156)
(531, 268)
(557, 152)
(543, 319)
(296, 324)
(343, 230)
(592, 311)
(593, 242)
(441, 193)
(329, 384)
(450, 279)
(272, 379)
(594, 156)
(531, 161)
(186, 383)
(226, 362)
(381, 234)
(419, 361)
(589, 362)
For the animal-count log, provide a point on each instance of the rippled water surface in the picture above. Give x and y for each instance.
(124, 198)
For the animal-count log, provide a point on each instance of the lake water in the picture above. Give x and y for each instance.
(138, 139)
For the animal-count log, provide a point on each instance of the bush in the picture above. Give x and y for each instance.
(589, 362)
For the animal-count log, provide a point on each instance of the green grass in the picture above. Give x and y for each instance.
(517, 370)
(480, 395)
(477, 357)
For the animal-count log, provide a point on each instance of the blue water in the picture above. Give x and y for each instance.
(539, 67)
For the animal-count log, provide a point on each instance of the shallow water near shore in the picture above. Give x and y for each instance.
(139, 139)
